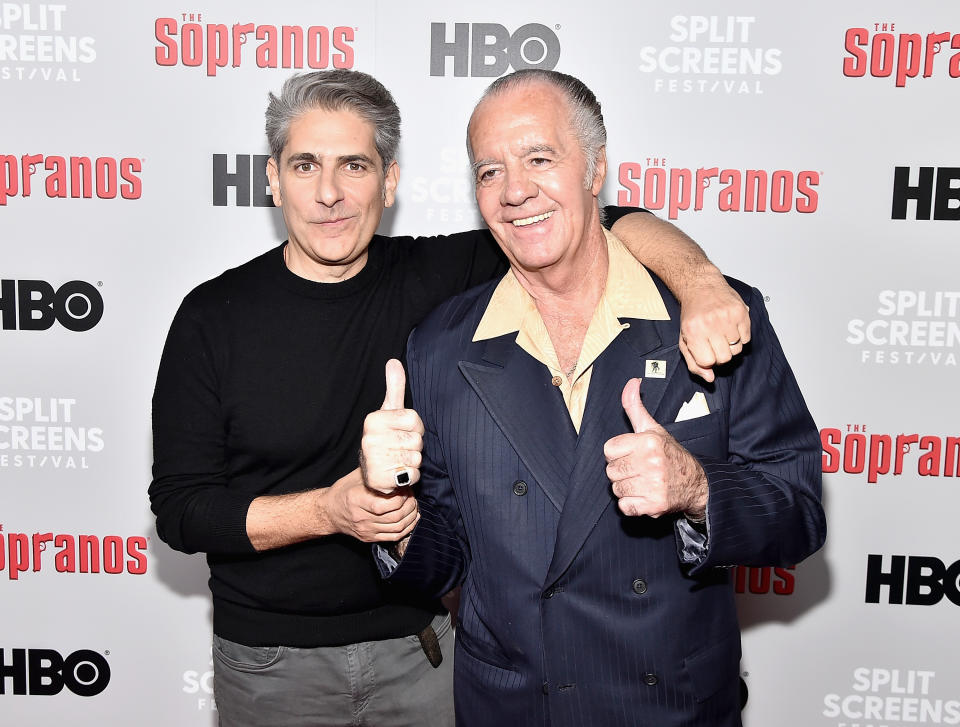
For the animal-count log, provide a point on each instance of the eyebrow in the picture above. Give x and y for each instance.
(526, 151)
(306, 156)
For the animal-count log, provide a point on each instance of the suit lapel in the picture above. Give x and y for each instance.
(590, 492)
(517, 391)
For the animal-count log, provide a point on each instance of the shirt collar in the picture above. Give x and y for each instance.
(630, 293)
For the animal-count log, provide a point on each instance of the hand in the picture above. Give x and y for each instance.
(714, 324)
(358, 511)
(392, 438)
(651, 473)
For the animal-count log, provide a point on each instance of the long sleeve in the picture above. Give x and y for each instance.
(189, 495)
(764, 497)
(435, 558)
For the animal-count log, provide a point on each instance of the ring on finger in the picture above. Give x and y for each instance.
(401, 475)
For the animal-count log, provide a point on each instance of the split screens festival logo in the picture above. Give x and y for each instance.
(37, 43)
(655, 184)
(189, 40)
(447, 195)
(910, 328)
(711, 54)
(882, 51)
(199, 683)
(43, 433)
(883, 697)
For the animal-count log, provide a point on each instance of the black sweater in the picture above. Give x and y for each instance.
(263, 386)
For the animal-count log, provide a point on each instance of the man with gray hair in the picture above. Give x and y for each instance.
(591, 529)
(267, 374)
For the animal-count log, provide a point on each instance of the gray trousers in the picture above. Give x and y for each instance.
(386, 683)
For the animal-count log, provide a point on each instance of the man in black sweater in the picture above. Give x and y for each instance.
(267, 374)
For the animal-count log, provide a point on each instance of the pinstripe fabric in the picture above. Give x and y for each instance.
(572, 614)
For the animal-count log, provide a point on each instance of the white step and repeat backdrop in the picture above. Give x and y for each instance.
(811, 148)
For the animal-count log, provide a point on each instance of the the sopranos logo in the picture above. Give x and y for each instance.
(856, 451)
(22, 553)
(35, 305)
(446, 196)
(490, 50)
(44, 433)
(655, 185)
(75, 177)
(879, 696)
(766, 580)
(46, 672)
(190, 41)
(36, 45)
(883, 52)
(911, 327)
(711, 54)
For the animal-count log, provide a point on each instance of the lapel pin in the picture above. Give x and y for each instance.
(655, 369)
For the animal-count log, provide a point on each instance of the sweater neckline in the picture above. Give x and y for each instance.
(312, 289)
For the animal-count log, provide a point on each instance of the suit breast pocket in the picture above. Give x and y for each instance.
(701, 435)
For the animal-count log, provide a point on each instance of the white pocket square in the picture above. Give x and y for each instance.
(696, 407)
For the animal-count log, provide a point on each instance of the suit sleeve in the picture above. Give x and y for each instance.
(764, 506)
(436, 555)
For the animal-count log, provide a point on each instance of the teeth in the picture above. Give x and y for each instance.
(530, 220)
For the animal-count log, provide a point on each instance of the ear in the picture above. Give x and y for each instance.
(390, 180)
(273, 175)
(599, 172)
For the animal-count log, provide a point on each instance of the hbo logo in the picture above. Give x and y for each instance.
(488, 49)
(45, 672)
(33, 305)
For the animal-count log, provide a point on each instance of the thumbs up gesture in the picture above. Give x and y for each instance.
(392, 438)
(651, 473)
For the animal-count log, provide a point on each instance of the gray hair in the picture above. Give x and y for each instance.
(586, 117)
(335, 90)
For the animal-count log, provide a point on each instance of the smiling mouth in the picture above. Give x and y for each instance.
(531, 220)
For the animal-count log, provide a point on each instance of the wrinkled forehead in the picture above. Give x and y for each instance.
(530, 103)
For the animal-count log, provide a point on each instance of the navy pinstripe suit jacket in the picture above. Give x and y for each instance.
(572, 613)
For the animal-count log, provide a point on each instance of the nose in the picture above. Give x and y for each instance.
(328, 191)
(518, 187)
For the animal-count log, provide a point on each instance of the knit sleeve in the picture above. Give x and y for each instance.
(195, 509)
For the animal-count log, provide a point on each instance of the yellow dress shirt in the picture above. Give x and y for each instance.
(629, 293)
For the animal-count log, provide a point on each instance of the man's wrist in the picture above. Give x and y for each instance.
(397, 550)
(700, 274)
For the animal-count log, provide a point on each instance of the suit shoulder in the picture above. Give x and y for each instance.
(744, 290)
(456, 316)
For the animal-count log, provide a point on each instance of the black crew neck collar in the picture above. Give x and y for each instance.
(312, 289)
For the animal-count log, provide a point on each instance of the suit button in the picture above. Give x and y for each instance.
(520, 488)
(546, 688)
(650, 680)
(640, 586)
(556, 381)
(549, 593)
